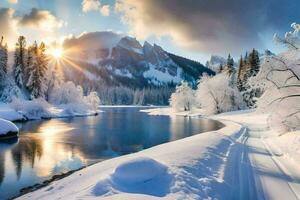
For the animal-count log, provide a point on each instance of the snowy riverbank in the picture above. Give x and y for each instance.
(31, 110)
(233, 162)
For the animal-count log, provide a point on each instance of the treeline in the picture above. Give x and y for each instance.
(248, 66)
(30, 70)
(230, 89)
(121, 95)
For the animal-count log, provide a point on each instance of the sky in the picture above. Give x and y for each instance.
(195, 29)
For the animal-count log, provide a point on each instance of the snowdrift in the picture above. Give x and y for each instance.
(140, 175)
(7, 129)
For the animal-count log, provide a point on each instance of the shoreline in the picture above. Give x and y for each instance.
(35, 187)
(83, 170)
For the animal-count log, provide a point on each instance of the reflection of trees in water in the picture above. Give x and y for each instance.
(28, 149)
(5, 144)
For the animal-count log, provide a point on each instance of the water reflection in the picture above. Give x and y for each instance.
(49, 147)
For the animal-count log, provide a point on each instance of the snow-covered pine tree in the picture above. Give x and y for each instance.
(240, 76)
(33, 83)
(42, 61)
(37, 81)
(254, 63)
(29, 62)
(230, 65)
(250, 94)
(56, 79)
(19, 61)
(3, 61)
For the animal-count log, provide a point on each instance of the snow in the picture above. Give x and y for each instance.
(38, 109)
(7, 126)
(243, 160)
(8, 113)
(138, 170)
(143, 175)
(160, 77)
(183, 169)
(123, 72)
(131, 44)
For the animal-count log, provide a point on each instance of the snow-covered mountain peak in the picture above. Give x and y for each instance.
(129, 42)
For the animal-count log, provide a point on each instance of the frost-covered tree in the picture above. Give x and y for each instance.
(183, 99)
(56, 79)
(37, 82)
(70, 94)
(216, 94)
(3, 58)
(279, 79)
(248, 67)
(19, 61)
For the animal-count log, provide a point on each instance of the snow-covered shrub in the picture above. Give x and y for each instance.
(183, 99)
(279, 78)
(34, 109)
(92, 100)
(216, 94)
(9, 90)
(72, 96)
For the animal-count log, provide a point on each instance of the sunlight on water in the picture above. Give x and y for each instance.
(49, 147)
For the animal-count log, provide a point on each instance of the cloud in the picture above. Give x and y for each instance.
(93, 40)
(208, 25)
(13, 24)
(105, 10)
(13, 1)
(8, 25)
(95, 5)
(40, 19)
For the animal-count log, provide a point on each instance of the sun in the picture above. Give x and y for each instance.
(57, 53)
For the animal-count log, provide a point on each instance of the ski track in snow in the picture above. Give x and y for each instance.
(257, 171)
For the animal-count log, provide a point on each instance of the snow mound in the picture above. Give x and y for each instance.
(7, 127)
(35, 109)
(138, 170)
(8, 113)
(141, 176)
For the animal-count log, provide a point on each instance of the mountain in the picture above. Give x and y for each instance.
(116, 60)
(215, 62)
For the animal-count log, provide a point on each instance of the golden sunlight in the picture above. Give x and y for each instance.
(56, 53)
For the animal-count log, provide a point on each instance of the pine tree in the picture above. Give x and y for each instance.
(240, 77)
(221, 68)
(56, 79)
(254, 63)
(230, 65)
(3, 58)
(32, 71)
(43, 67)
(251, 69)
(37, 65)
(19, 61)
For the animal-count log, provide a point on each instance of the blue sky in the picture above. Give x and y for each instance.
(194, 29)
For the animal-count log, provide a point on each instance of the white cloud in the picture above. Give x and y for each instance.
(8, 25)
(40, 19)
(95, 5)
(13, 1)
(105, 10)
(90, 5)
(44, 24)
